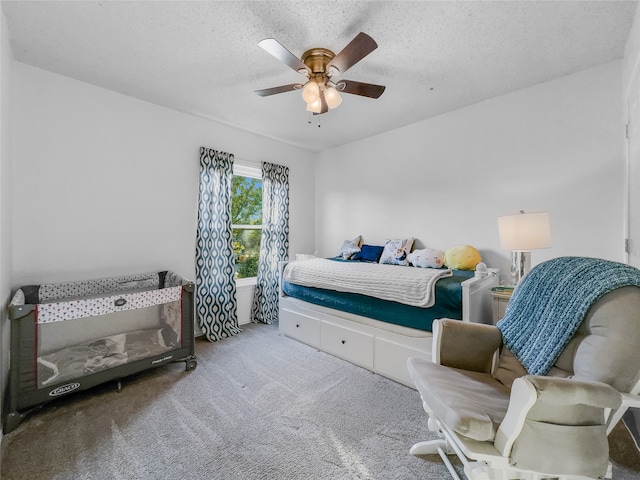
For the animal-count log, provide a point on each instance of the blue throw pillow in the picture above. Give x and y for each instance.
(368, 253)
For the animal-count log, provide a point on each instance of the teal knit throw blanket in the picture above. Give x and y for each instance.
(550, 302)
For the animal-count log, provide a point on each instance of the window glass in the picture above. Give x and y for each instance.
(246, 219)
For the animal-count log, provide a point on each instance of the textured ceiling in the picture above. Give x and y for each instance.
(203, 58)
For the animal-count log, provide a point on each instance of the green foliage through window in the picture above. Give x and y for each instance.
(246, 217)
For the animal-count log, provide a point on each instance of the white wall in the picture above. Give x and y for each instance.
(631, 65)
(107, 185)
(5, 201)
(554, 147)
(631, 54)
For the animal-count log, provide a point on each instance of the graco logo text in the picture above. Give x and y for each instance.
(69, 387)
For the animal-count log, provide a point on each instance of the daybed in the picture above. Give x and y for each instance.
(377, 333)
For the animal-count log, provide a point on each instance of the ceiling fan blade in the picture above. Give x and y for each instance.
(361, 46)
(265, 92)
(358, 88)
(274, 47)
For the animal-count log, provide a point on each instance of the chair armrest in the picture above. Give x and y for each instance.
(468, 346)
(566, 391)
(531, 389)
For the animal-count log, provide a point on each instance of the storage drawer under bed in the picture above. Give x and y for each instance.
(300, 327)
(354, 346)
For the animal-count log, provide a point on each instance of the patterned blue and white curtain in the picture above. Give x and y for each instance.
(274, 242)
(216, 304)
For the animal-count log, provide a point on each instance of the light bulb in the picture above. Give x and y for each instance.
(310, 92)
(315, 107)
(332, 97)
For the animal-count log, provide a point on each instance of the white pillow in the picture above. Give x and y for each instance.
(396, 251)
(350, 248)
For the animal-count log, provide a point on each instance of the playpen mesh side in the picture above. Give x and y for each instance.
(86, 327)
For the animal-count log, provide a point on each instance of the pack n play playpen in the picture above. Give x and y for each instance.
(72, 336)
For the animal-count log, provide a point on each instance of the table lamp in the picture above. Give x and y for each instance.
(522, 233)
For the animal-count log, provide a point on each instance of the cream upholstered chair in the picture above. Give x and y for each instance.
(536, 396)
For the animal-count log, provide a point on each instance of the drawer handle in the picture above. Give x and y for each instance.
(344, 341)
(120, 302)
(297, 325)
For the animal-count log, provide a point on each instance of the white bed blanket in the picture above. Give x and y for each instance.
(409, 285)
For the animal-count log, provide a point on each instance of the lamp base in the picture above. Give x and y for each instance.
(520, 265)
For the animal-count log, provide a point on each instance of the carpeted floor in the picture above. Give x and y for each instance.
(259, 406)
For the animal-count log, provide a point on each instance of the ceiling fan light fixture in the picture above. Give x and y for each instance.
(320, 92)
(315, 106)
(333, 71)
(332, 97)
(311, 92)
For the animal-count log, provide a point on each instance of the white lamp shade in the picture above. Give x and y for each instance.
(315, 106)
(525, 232)
(310, 92)
(332, 97)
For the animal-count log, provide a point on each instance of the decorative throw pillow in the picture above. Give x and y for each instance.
(350, 248)
(368, 253)
(396, 251)
(462, 257)
(427, 258)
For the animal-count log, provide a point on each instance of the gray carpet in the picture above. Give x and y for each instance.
(259, 406)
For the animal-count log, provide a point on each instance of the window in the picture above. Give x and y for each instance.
(246, 219)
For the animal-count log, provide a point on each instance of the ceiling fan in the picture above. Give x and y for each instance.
(320, 66)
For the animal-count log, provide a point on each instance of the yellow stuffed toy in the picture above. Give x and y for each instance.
(462, 257)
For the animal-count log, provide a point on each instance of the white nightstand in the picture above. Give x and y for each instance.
(501, 297)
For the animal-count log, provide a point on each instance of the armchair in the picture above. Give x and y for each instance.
(504, 422)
